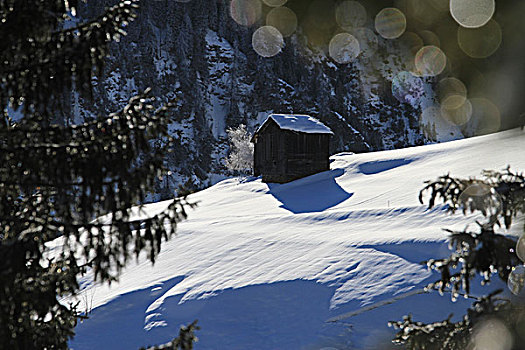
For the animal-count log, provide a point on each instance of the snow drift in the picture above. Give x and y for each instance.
(264, 266)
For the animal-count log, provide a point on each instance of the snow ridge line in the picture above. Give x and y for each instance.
(376, 305)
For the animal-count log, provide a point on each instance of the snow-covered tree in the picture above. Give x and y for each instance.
(240, 158)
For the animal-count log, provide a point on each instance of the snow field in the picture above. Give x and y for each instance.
(264, 266)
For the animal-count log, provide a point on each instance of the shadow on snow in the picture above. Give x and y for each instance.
(281, 315)
(379, 166)
(312, 194)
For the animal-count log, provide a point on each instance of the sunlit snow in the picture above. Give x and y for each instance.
(264, 266)
(297, 122)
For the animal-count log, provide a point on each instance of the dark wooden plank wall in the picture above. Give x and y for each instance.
(269, 151)
(284, 155)
(306, 154)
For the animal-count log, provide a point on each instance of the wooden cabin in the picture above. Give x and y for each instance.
(288, 147)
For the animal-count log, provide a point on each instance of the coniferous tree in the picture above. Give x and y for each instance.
(56, 179)
(481, 253)
(184, 341)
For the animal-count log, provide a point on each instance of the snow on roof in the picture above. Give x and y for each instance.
(298, 122)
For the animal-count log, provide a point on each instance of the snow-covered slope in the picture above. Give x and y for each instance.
(264, 266)
(194, 53)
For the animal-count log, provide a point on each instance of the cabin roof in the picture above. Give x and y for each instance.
(297, 122)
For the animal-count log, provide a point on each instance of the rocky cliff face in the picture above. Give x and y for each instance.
(195, 53)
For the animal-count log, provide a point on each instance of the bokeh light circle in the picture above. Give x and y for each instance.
(491, 334)
(275, 3)
(284, 19)
(457, 115)
(368, 41)
(429, 38)
(411, 41)
(267, 41)
(350, 14)
(344, 48)
(481, 197)
(472, 13)
(516, 279)
(486, 117)
(390, 23)
(430, 61)
(451, 92)
(245, 12)
(453, 101)
(520, 248)
(477, 189)
(480, 42)
(407, 88)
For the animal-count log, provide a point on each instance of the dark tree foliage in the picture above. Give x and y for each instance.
(499, 197)
(454, 335)
(55, 179)
(40, 60)
(184, 341)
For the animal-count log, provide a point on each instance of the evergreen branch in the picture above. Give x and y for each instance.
(57, 60)
(72, 38)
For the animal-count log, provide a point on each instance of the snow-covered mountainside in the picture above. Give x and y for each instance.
(265, 266)
(194, 52)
